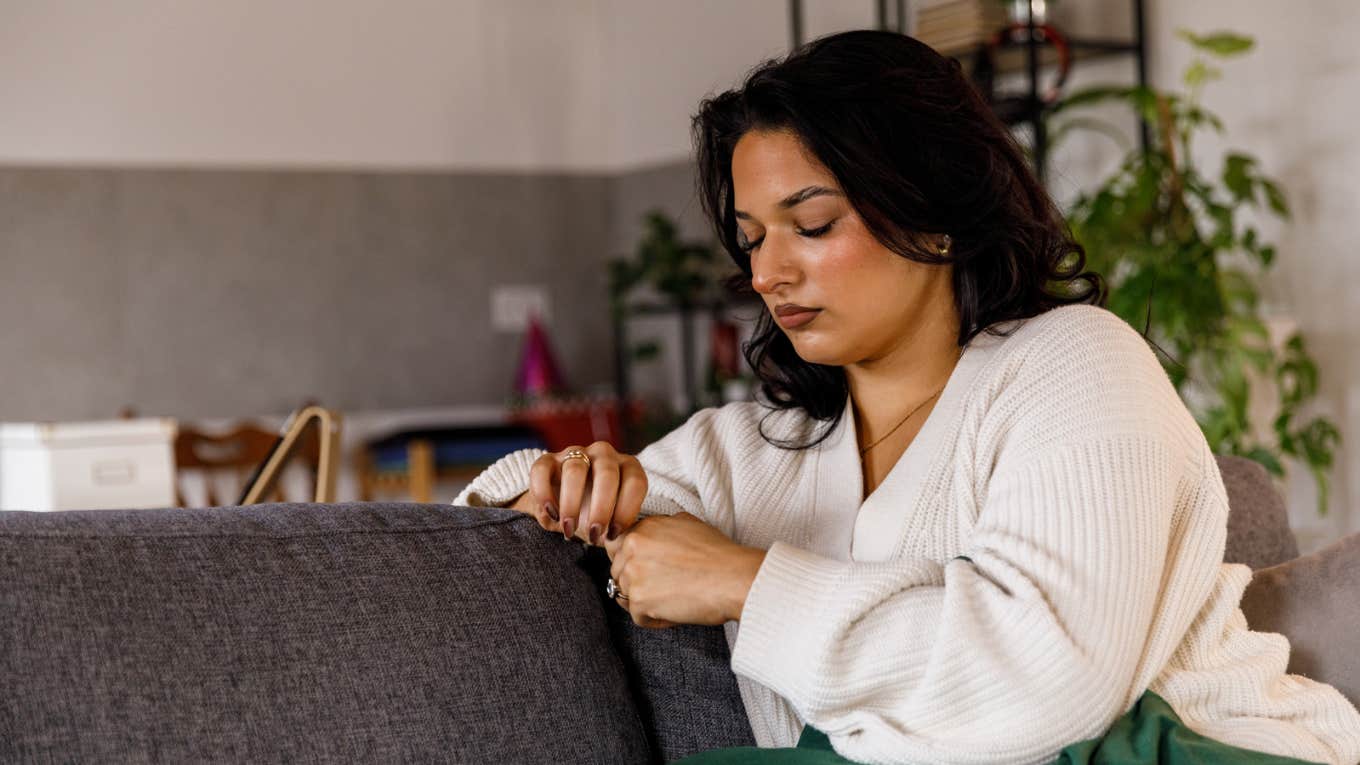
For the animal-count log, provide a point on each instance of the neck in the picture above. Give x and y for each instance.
(885, 389)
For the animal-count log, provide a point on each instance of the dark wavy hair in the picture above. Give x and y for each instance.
(917, 152)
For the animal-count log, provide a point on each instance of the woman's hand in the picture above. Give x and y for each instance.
(676, 569)
(585, 501)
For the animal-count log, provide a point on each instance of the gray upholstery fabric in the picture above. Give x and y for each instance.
(304, 633)
(681, 678)
(1315, 602)
(424, 632)
(1258, 524)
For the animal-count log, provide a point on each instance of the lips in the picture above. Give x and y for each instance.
(789, 319)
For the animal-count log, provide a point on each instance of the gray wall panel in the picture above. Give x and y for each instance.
(215, 293)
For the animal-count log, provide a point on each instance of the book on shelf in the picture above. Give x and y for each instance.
(952, 26)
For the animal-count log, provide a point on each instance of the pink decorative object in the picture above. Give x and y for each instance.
(538, 375)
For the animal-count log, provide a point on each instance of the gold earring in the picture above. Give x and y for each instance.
(945, 241)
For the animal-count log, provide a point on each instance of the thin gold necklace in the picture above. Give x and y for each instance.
(909, 414)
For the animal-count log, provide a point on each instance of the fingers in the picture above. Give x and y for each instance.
(594, 501)
(644, 621)
(632, 491)
(542, 475)
(604, 490)
(618, 559)
(574, 472)
(635, 608)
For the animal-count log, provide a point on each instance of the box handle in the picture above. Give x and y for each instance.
(114, 472)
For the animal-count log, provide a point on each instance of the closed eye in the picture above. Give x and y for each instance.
(811, 233)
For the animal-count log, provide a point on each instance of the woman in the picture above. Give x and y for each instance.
(972, 521)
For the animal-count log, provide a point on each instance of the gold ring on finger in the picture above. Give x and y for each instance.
(576, 454)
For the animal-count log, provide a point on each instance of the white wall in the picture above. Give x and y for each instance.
(413, 84)
(666, 56)
(531, 85)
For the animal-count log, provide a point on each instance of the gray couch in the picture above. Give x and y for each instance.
(400, 632)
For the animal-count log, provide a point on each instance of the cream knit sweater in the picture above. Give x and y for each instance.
(1049, 547)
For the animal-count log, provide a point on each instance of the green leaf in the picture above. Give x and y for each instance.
(1216, 426)
(1058, 133)
(1267, 459)
(1199, 73)
(646, 350)
(1260, 358)
(1275, 197)
(1238, 289)
(1197, 116)
(1319, 439)
(1320, 476)
(1297, 376)
(1218, 43)
(1237, 176)
(1142, 99)
(1284, 434)
(1244, 327)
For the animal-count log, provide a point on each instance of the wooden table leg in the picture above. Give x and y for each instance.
(420, 466)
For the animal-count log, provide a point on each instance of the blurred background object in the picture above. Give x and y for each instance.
(243, 205)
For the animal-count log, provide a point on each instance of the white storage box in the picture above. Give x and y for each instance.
(87, 465)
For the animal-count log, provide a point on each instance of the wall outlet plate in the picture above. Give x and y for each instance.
(512, 304)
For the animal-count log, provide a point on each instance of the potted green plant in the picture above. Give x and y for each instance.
(680, 271)
(1179, 248)
(683, 273)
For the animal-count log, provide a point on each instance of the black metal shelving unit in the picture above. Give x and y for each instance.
(893, 17)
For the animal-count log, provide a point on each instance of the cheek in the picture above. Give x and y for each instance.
(857, 267)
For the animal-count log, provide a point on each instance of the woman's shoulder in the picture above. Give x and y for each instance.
(1082, 371)
(1073, 341)
(1064, 326)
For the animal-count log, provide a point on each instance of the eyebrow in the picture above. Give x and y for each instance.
(797, 198)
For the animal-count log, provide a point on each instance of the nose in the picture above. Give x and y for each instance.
(771, 266)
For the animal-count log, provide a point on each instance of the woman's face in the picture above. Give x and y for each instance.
(811, 249)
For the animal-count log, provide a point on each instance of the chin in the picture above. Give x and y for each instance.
(817, 353)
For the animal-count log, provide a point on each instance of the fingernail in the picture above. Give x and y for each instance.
(551, 509)
(614, 531)
(594, 533)
(568, 526)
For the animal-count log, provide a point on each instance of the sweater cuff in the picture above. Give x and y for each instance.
(790, 582)
(502, 482)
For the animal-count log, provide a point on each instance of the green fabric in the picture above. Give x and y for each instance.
(1150, 732)
(1153, 732)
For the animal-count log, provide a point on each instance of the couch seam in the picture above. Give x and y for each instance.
(228, 534)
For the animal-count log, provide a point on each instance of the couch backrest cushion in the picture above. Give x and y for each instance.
(376, 632)
(1315, 602)
(682, 680)
(1258, 523)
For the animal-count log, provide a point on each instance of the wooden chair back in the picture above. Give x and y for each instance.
(236, 452)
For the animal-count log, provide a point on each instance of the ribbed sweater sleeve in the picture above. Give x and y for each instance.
(669, 462)
(1030, 639)
(502, 482)
(672, 463)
